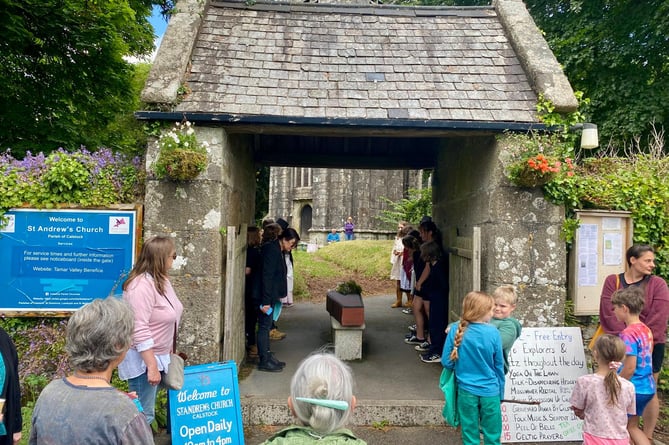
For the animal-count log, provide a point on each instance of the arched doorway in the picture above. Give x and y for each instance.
(305, 221)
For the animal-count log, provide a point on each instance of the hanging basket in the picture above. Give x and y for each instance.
(527, 173)
(182, 165)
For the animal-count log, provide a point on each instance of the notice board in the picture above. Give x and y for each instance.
(544, 364)
(207, 410)
(55, 261)
(600, 244)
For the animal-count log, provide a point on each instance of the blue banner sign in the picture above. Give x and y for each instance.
(59, 260)
(207, 410)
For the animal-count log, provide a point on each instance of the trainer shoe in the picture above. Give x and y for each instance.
(407, 310)
(275, 334)
(413, 340)
(423, 347)
(412, 328)
(430, 358)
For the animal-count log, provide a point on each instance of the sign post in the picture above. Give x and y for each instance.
(544, 364)
(207, 410)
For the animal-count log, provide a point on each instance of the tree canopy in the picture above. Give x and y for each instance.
(617, 53)
(63, 69)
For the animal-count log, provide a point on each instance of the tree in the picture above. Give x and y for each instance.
(63, 70)
(617, 53)
(417, 204)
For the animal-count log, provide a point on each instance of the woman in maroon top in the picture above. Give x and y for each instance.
(655, 313)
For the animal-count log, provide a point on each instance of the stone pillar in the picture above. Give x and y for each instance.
(519, 229)
(196, 214)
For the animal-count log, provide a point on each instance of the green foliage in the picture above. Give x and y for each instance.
(552, 118)
(125, 133)
(382, 425)
(349, 287)
(80, 178)
(66, 177)
(40, 345)
(568, 230)
(161, 410)
(32, 387)
(663, 382)
(63, 70)
(569, 318)
(616, 52)
(27, 414)
(412, 209)
(638, 183)
(181, 157)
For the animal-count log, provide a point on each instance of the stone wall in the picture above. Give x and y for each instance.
(193, 213)
(519, 228)
(335, 194)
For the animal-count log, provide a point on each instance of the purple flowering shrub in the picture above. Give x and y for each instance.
(82, 177)
(40, 343)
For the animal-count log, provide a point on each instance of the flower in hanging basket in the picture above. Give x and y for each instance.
(535, 160)
(535, 171)
(180, 156)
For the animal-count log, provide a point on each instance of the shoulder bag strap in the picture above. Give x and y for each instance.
(174, 339)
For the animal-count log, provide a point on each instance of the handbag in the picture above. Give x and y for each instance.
(449, 386)
(174, 377)
(600, 330)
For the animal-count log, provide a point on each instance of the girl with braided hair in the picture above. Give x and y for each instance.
(473, 349)
(604, 399)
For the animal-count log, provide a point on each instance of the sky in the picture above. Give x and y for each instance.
(158, 22)
(159, 25)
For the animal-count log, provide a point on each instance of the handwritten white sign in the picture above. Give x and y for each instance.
(544, 364)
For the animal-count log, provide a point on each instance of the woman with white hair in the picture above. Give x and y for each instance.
(322, 400)
(84, 407)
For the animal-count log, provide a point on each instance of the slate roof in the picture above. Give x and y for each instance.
(356, 62)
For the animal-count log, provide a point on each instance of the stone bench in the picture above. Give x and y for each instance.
(347, 320)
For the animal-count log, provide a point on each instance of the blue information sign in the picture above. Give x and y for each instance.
(58, 260)
(207, 410)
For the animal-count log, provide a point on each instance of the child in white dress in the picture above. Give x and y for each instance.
(604, 399)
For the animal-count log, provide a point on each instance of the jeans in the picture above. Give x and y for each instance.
(349, 236)
(479, 415)
(146, 394)
(264, 325)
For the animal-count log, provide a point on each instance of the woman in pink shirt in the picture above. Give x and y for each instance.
(157, 313)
